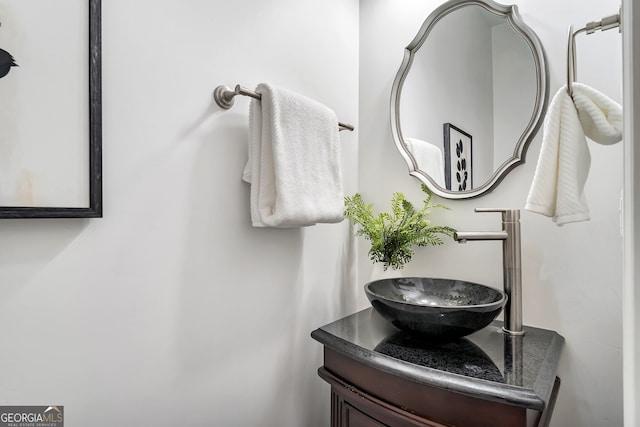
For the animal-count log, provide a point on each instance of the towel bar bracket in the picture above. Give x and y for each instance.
(606, 23)
(223, 96)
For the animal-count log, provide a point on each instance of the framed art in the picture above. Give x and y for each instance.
(51, 126)
(458, 159)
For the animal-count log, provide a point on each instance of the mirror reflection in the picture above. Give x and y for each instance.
(469, 97)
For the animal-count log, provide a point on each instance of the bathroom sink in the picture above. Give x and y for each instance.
(436, 308)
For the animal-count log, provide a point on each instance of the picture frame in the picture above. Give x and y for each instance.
(458, 158)
(85, 126)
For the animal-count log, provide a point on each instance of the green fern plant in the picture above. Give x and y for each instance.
(393, 235)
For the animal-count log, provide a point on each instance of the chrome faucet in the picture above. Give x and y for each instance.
(511, 263)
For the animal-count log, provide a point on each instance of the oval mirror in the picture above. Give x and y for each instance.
(469, 97)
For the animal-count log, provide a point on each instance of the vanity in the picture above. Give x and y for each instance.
(382, 376)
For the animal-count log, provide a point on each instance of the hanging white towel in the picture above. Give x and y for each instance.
(294, 161)
(429, 158)
(558, 184)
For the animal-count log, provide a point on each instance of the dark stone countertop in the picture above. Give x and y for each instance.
(487, 364)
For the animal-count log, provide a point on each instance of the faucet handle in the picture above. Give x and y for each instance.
(508, 215)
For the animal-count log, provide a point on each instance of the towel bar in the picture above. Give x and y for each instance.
(606, 23)
(224, 98)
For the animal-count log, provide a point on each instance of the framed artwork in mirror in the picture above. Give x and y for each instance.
(51, 124)
(458, 158)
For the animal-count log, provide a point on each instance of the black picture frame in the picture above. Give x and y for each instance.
(94, 208)
(458, 158)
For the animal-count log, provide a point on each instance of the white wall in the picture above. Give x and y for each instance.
(572, 275)
(172, 310)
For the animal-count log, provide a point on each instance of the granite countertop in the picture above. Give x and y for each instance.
(487, 364)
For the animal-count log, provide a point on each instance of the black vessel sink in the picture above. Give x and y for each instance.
(437, 308)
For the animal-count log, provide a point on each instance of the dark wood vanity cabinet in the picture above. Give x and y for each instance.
(372, 389)
(372, 398)
(352, 407)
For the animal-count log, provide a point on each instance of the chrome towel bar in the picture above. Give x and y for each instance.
(224, 95)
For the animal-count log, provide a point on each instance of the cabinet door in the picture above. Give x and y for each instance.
(353, 408)
(354, 418)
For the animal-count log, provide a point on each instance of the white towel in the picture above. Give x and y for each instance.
(558, 184)
(294, 161)
(428, 157)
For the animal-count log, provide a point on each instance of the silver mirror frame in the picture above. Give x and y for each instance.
(541, 100)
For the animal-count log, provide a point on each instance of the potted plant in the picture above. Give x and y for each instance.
(394, 234)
